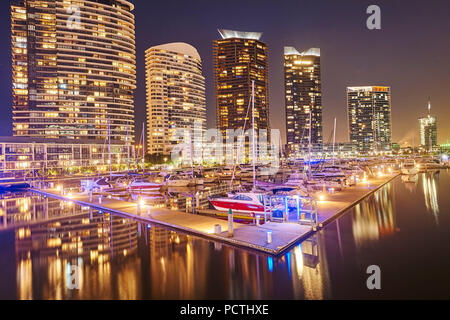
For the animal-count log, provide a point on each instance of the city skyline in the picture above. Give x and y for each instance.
(365, 66)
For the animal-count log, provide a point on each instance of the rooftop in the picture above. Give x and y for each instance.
(179, 47)
(227, 34)
(309, 52)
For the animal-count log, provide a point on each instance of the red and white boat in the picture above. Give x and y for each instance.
(245, 202)
(142, 184)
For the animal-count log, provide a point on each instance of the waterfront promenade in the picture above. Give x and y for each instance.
(247, 236)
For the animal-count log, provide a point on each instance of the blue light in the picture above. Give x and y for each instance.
(270, 263)
(288, 258)
(149, 226)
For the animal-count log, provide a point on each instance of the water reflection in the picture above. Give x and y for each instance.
(410, 182)
(124, 259)
(429, 186)
(374, 217)
(46, 251)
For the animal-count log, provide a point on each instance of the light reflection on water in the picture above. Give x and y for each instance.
(123, 259)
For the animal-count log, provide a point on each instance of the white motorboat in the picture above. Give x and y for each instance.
(296, 179)
(143, 184)
(409, 167)
(182, 180)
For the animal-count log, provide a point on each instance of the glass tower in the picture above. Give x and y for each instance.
(175, 94)
(303, 95)
(240, 58)
(73, 65)
(428, 130)
(369, 117)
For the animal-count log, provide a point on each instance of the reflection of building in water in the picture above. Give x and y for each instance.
(410, 181)
(429, 181)
(374, 217)
(87, 240)
(24, 208)
(174, 263)
(309, 269)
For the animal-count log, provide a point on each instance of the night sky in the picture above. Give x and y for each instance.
(411, 52)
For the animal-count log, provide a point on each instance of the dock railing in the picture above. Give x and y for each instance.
(280, 208)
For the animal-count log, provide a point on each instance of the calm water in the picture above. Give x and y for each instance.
(404, 228)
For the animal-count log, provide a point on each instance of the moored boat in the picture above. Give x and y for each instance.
(244, 202)
(409, 167)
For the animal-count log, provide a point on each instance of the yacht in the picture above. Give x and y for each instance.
(244, 202)
(409, 167)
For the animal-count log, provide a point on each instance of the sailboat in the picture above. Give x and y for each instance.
(245, 202)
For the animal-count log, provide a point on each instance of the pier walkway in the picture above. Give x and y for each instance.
(244, 235)
(336, 204)
(247, 236)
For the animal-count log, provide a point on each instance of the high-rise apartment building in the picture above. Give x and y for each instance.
(175, 94)
(303, 97)
(369, 117)
(428, 130)
(73, 65)
(240, 58)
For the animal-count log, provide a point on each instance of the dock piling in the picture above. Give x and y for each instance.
(269, 236)
(230, 223)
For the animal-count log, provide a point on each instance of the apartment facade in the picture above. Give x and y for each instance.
(73, 65)
(240, 58)
(369, 118)
(428, 130)
(303, 98)
(175, 95)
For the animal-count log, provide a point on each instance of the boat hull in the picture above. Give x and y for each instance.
(410, 171)
(178, 183)
(146, 187)
(223, 205)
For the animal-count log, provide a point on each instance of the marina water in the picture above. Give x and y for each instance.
(404, 228)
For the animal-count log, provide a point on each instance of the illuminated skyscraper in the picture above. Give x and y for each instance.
(73, 64)
(175, 94)
(303, 95)
(239, 58)
(369, 117)
(428, 130)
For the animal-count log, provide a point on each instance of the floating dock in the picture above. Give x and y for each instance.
(254, 237)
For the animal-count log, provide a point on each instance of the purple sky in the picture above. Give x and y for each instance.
(410, 53)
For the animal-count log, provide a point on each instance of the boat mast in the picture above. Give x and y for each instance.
(128, 152)
(309, 144)
(109, 147)
(191, 151)
(253, 134)
(334, 137)
(143, 148)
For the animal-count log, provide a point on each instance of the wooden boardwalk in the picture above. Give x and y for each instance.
(248, 236)
(244, 235)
